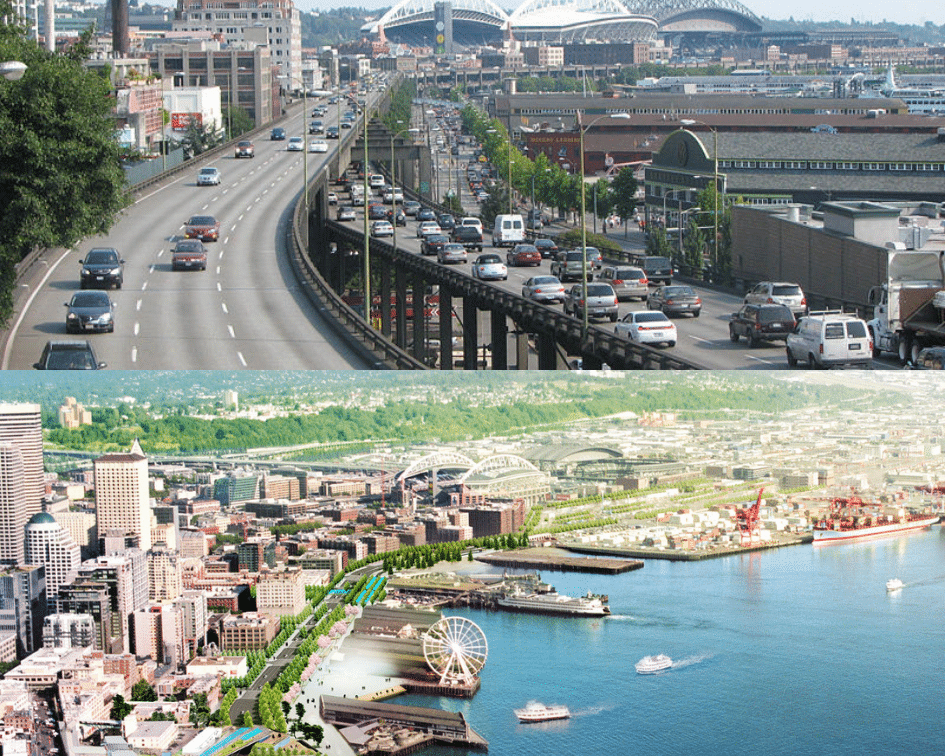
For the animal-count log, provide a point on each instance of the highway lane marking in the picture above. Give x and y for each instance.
(240, 218)
(225, 311)
(134, 354)
(760, 359)
(240, 355)
(144, 286)
(151, 269)
(26, 307)
(137, 328)
(232, 332)
(160, 251)
(219, 287)
(704, 341)
(225, 191)
(225, 241)
(248, 208)
(218, 270)
(138, 305)
(205, 206)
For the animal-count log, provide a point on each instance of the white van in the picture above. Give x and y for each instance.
(508, 231)
(830, 339)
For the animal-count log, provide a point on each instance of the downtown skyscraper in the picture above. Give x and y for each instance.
(21, 476)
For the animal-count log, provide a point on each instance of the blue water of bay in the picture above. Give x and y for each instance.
(796, 651)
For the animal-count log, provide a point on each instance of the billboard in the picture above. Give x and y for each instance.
(181, 121)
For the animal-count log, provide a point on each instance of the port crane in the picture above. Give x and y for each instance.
(747, 519)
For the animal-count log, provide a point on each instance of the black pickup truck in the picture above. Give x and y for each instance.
(468, 236)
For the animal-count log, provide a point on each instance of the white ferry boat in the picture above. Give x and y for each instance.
(552, 602)
(893, 585)
(650, 665)
(538, 712)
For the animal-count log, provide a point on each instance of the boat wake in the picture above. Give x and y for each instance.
(690, 660)
(925, 581)
(592, 710)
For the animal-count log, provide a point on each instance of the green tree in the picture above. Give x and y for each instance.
(198, 139)
(247, 719)
(142, 691)
(624, 191)
(120, 708)
(299, 709)
(200, 709)
(60, 179)
(237, 120)
(693, 247)
(657, 244)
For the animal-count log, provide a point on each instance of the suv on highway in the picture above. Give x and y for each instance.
(830, 339)
(68, 355)
(761, 322)
(601, 301)
(628, 282)
(778, 292)
(469, 236)
(569, 265)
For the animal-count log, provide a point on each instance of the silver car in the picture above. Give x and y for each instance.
(451, 253)
(544, 289)
(628, 282)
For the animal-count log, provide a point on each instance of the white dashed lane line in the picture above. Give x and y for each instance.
(240, 355)
(232, 332)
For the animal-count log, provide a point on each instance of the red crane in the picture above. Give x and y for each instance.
(747, 519)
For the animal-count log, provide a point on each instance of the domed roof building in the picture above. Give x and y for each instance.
(48, 544)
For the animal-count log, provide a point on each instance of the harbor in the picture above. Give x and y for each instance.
(552, 559)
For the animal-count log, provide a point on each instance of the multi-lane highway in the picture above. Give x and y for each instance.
(244, 311)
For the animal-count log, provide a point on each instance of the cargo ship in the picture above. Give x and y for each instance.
(551, 602)
(853, 519)
(538, 712)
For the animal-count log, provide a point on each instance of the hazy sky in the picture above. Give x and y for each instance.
(916, 12)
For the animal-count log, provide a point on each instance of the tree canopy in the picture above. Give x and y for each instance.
(60, 176)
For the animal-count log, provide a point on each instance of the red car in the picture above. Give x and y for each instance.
(203, 227)
(523, 254)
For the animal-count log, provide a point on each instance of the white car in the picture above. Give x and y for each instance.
(318, 145)
(381, 228)
(471, 221)
(428, 227)
(208, 176)
(332, 198)
(778, 292)
(489, 267)
(296, 144)
(647, 327)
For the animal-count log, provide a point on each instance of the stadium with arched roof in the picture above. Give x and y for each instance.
(477, 22)
(507, 475)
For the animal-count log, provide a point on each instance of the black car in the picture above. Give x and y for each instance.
(447, 222)
(659, 270)
(398, 218)
(433, 243)
(675, 300)
(90, 311)
(469, 237)
(102, 268)
(277, 135)
(425, 214)
(761, 322)
(547, 247)
(68, 355)
(377, 212)
(331, 132)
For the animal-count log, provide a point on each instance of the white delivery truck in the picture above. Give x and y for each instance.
(508, 231)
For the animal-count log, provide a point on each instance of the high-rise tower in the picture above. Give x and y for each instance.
(48, 544)
(121, 495)
(21, 482)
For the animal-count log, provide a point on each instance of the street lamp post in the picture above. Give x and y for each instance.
(715, 187)
(366, 265)
(393, 177)
(581, 130)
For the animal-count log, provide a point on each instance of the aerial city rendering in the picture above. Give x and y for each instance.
(265, 562)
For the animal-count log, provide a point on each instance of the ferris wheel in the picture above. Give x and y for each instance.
(456, 649)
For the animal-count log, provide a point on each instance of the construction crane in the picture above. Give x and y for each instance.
(746, 519)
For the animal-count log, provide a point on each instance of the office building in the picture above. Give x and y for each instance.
(159, 633)
(13, 515)
(281, 593)
(121, 495)
(165, 580)
(256, 553)
(23, 606)
(82, 529)
(276, 24)
(250, 630)
(48, 544)
(194, 621)
(234, 488)
(72, 414)
(125, 577)
(92, 600)
(21, 425)
(68, 631)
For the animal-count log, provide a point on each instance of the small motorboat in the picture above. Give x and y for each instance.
(893, 585)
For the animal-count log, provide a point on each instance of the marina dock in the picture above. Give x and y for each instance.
(546, 559)
(684, 555)
(382, 728)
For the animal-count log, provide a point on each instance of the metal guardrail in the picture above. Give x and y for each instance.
(532, 317)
